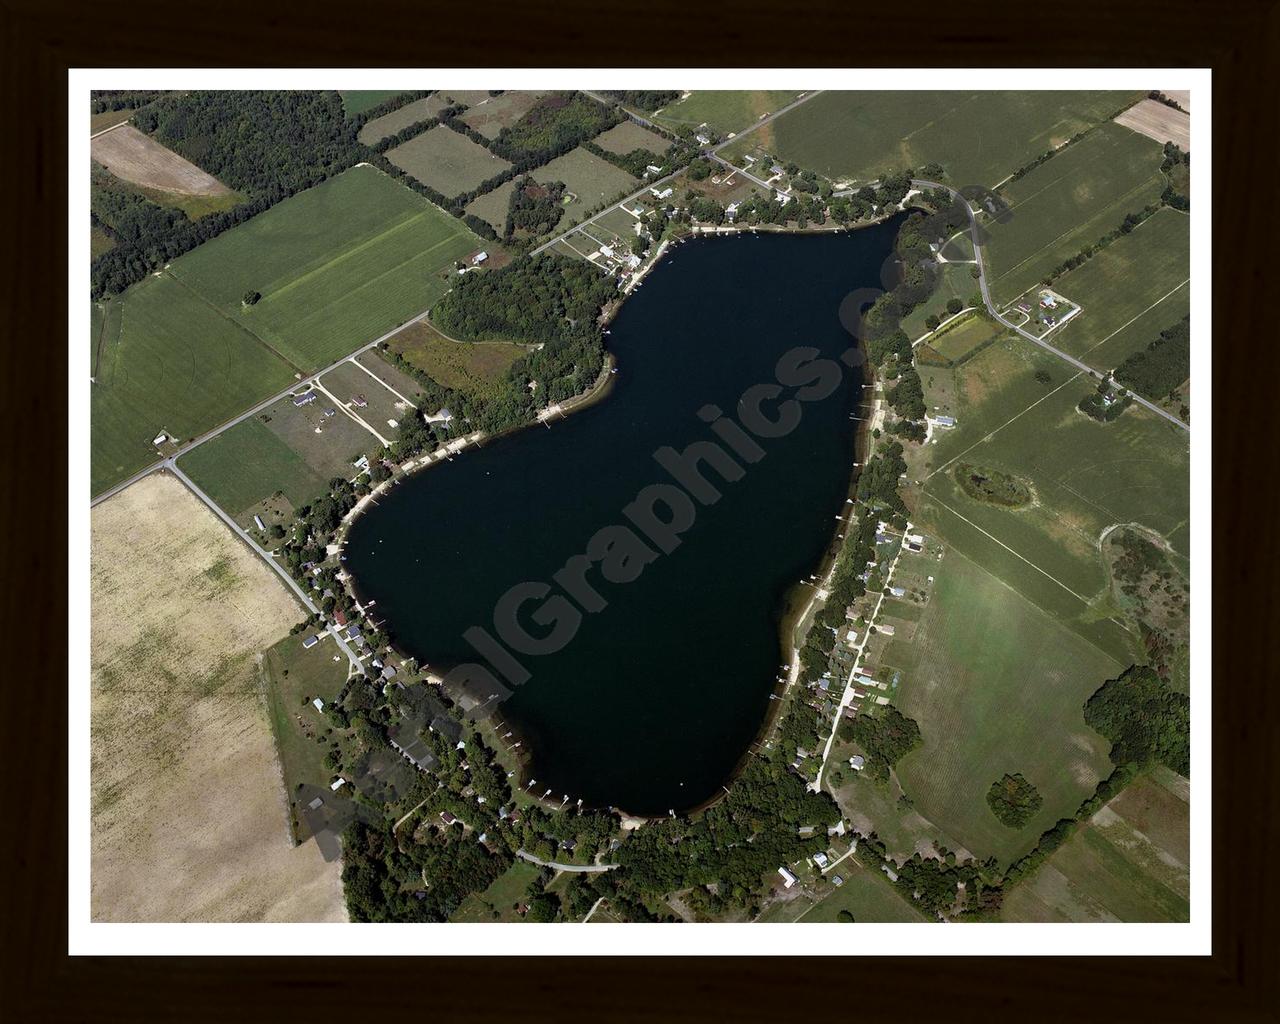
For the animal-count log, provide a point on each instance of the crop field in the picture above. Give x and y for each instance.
(187, 820)
(174, 364)
(357, 101)
(592, 180)
(1158, 121)
(473, 367)
(1069, 202)
(399, 119)
(350, 384)
(293, 677)
(491, 115)
(1130, 291)
(135, 157)
(337, 266)
(492, 206)
(958, 341)
(996, 685)
(1130, 862)
(627, 136)
(724, 111)
(980, 138)
(446, 161)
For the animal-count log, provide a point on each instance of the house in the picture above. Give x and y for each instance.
(315, 804)
(337, 784)
(666, 193)
(702, 140)
(606, 251)
(257, 521)
(359, 401)
(388, 672)
(882, 700)
(731, 211)
(352, 634)
(837, 881)
(651, 169)
(362, 462)
(449, 728)
(783, 197)
(824, 684)
(857, 762)
(859, 694)
(943, 421)
(339, 617)
(447, 818)
(306, 399)
(887, 629)
(310, 642)
(915, 538)
(788, 879)
(893, 875)
(479, 258)
(898, 591)
(777, 169)
(319, 704)
(160, 438)
(820, 859)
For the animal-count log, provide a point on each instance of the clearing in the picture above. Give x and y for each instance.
(135, 157)
(401, 118)
(593, 181)
(187, 819)
(470, 366)
(490, 116)
(446, 161)
(627, 136)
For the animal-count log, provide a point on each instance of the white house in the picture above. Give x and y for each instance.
(319, 704)
(479, 258)
(335, 786)
(820, 859)
(857, 762)
(788, 879)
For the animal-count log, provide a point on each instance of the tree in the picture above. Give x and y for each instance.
(954, 306)
(251, 297)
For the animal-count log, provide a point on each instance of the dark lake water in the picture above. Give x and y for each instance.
(656, 699)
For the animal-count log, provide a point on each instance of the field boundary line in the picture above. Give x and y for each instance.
(338, 402)
(238, 325)
(997, 430)
(1139, 316)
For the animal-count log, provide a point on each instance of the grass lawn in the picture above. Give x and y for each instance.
(496, 903)
(242, 466)
(336, 265)
(725, 111)
(468, 366)
(399, 119)
(979, 137)
(592, 180)
(446, 160)
(1070, 202)
(868, 895)
(1129, 292)
(174, 363)
(996, 685)
(957, 282)
(1130, 862)
(357, 101)
(294, 677)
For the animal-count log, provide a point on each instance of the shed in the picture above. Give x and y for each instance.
(319, 704)
(310, 641)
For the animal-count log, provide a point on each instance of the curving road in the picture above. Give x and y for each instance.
(991, 308)
(584, 868)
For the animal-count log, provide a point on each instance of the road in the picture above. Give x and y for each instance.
(991, 308)
(654, 184)
(265, 555)
(587, 868)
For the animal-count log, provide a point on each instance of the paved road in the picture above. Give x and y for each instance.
(654, 184)
(281, 571)
(991, 308)
(744, 172)
(587, 868)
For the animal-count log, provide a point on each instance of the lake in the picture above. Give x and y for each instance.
(657, 697)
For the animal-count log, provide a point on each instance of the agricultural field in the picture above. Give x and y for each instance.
(1130, 291)
(593, 181)
(1067, 203)
(492, 114)
(472, 367)
(357, 101)
(1129, 862)
(1159, 121)
(497, 902)
(401, 118)
(293, 677)
(980, 138)
(627, 136)
(336, 266)
(351, 385)
(446, 161)
(996, 685)
(492, 207)
(724, 112)
(959, 340)
(139, 159)
(169, 362)
(187, 821)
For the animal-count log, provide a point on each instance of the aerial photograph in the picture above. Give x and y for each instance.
(576, 505)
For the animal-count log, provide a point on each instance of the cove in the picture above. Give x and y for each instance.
(659, 696)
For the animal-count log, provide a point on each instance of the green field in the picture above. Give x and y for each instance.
(964, 337)
(956, 282)
(491, 115)
(446, 161)
(870, 899)
(294, 676)
(99, 242)
(1129, 292)
(627, 136)
(1070, 202)
(724, 112)
(399, 119)
(397, 380)
(473, 367)
(357, 101)
(496, 903)
(177, 365)
(1130, 862)
(337, 265)
(996, 685)
(493, 206)
(592, 180)
(979, 137)
(247, 463)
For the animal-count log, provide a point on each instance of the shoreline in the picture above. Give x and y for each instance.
(790, 616)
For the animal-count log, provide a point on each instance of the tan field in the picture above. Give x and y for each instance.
(1159, 121)
(130, 154)
(188, 815)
